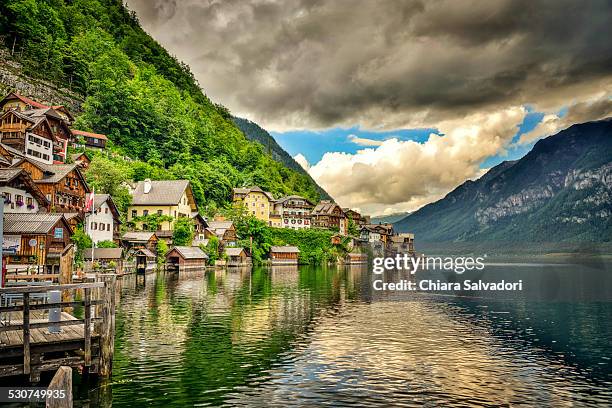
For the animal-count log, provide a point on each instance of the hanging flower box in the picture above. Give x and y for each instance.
(19, 203)
(30, 206)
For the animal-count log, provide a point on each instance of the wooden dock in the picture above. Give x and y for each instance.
(30, 343)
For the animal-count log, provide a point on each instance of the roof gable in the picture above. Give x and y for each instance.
(163, 192)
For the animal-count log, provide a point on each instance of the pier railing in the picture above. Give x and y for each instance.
(22, 311)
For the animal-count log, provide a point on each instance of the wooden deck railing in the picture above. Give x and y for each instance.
(96, 295)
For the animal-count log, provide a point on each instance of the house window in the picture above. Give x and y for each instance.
(108, 227)
(29, 201)
(7, 197)
(145, 212)
(48, 196)
(19, 199)
(95, 225)
(160, 212)
(106, 210)
(67, 182)
(134, 213)
(58, 233)
(102, 226)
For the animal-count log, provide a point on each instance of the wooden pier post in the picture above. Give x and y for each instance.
(107, 328)
(26, 333)
(62, 381)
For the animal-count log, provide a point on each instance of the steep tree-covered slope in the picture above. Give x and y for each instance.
(561, 191)
(258, 134)
(147, 102)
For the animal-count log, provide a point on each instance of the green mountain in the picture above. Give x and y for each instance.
(147, 102)
(256, 133)
(560, 192)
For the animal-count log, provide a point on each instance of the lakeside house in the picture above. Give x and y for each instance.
(284, 255)
(183, 257)
(103, 224)
(172, 198)
(135, 240)
(329, 215)
(199, 226)
(62, 184)
(255, 201)
(105, 257)
(20, 194)
(37, 239)
(224, 230)
(81, 159)
(293, 212)
(237, 256)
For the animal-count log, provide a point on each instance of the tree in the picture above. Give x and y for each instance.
(82, 241)
(162, 250)
(211, 249)
(106, 244)
(183, 232)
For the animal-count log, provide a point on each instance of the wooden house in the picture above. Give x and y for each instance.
(62, 184)
(186, 257)
(237, 256)
(81, 159)
(284, 255)
(199, 225)
(36, 239)
(329, 215)
(357, 218)
(135, 240)
(31, 136)
(224, 230)
(105, 257)
(89, 139)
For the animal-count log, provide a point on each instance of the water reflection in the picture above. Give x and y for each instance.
(312, 336)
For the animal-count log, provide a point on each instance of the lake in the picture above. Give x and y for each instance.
(313, 336)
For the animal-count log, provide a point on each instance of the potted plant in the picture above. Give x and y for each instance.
(30, 206)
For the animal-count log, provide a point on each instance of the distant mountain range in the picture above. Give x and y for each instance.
(258, 134)
(560, 192)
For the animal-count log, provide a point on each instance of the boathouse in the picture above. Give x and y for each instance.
(284, 255)
(186, 257)
(106, 258)
(237, 256)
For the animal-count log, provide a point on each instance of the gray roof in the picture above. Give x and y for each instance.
(55, 172)
(99, 199)
(9, 174)
(38, 223)
(145, 252)
(234, 251)
(247, 190)
(286, 248)
(293, 197)
(143, 236)
(163, 192)
(216, 225)
(71, 215)
(103, 253)
(189, 252)
(325, 207)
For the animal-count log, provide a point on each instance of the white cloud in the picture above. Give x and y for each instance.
(593, 109)
(361, 141)
(302, 161)
(405, 175)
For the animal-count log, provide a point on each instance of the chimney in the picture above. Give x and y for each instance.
(147, 186)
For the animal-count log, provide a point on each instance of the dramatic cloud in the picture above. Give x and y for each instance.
(302, 161)
(577, 113)
(404, 175)
(386, 64)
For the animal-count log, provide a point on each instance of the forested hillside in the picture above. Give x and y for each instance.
(258, 134)
(147, 102)
(560, 192)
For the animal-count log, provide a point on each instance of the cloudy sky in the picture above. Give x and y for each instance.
(391, 104)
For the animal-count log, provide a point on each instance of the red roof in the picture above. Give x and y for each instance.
(30, 101)
(89, 134)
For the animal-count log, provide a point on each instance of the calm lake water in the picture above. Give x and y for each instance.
(322, 336)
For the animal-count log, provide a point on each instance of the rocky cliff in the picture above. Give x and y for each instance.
(561, 191)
